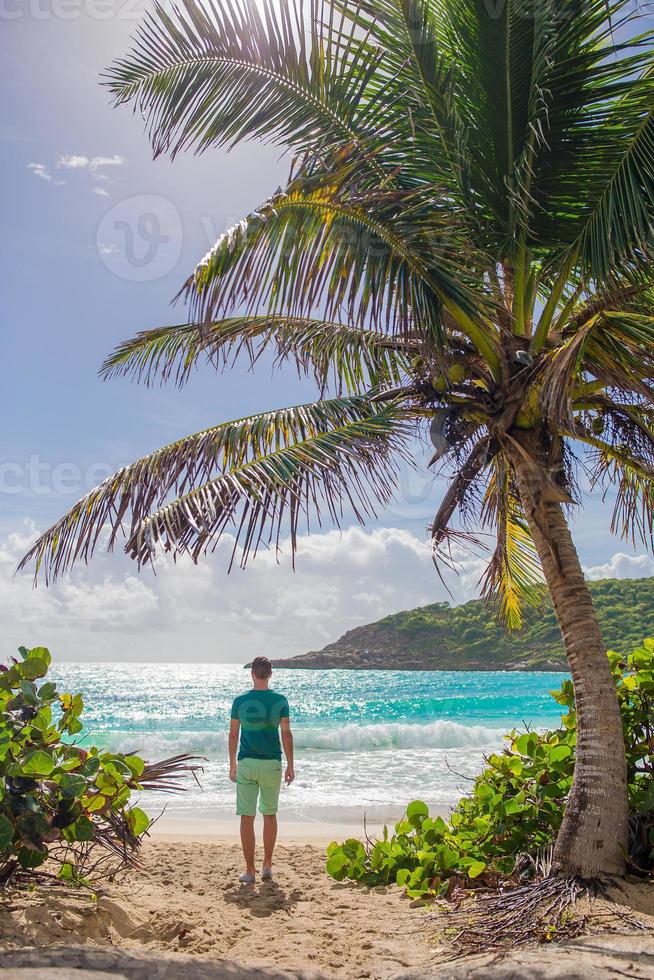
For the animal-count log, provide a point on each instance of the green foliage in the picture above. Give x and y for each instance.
(516, 804)
(470, 190)
(468, 637)
(59, 802)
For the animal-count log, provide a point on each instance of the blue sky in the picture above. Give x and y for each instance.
(77, 177)
(64, 308)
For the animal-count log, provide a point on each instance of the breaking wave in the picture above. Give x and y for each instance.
(443, 734)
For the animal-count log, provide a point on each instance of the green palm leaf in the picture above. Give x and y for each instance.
(613, 347)
(620, 350)
(217, 74)
(354, 465)
(612, 181)
(633, 485)
(497, 46)
(350, 357)
(513, 579)
(126, 498)
(421, 66)
(383, 256)
(574, 79)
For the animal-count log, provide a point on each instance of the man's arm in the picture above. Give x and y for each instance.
(287, 742)
(234, 729)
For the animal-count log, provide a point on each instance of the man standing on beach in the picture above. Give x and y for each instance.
(258, 715)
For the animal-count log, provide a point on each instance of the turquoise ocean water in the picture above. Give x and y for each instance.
(362, 738)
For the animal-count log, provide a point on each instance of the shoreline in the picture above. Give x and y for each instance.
(316, 825)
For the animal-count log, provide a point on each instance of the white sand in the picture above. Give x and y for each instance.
(318, 825)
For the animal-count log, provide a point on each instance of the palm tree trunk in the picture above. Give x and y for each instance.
(593, 837)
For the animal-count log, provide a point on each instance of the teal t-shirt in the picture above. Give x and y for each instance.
(259, 713)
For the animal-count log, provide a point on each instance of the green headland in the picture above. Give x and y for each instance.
(466, 637)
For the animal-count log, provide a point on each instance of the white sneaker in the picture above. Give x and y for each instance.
(266, 874)
(247, 879)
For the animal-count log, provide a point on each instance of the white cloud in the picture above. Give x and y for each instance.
(73, 161)
(95, 165)
(40, 170)
(109, 611)
(622, 566)
(179, 611)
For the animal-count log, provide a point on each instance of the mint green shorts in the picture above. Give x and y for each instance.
(260, 778)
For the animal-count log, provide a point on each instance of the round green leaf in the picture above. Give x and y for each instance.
(30, 858)
(336, 863)
(135, 764)
(416, 810)
(37, 763)
(95, 803)
(31, 669)
(402, 877)
(40, 653)
(90, 767)
(72, 785)
(83, 829)
(139, 821)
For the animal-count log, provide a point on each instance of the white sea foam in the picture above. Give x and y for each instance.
(443, 734)
(363, 739)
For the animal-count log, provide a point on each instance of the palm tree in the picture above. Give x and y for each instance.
(464, 244)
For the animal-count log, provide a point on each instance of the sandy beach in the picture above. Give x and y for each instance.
(186, 898)
(318, 825)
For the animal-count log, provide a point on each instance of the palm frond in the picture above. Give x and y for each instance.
(498, 55)
(169, 775)
(354, 466)
(464, 482)
(393, 259)
(620, 350)
(633, 485)
(612, 178)
(613, 347)
(514, 578)
(575, 77)
(625, 427)
(347, 357)
(561, 368)
(419, 64)
(626, 296)
(215, 74)
(122, 501)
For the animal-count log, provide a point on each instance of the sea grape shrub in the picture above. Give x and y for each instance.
(59, 801)
(516, 805)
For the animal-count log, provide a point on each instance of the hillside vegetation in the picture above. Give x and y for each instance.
(466, 637)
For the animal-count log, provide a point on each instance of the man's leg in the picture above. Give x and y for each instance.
(270, 779)
(247, 842)
(247, 790)
(269, 838)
